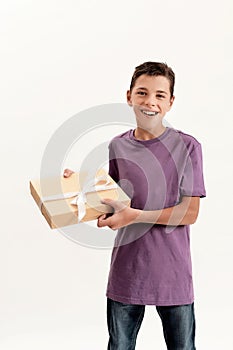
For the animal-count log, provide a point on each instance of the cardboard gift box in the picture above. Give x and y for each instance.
(68, 201)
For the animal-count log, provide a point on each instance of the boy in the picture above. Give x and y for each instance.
(161, 170)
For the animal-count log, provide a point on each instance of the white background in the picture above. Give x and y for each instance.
(57, 59)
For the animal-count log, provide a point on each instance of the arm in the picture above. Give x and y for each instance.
(184, 213)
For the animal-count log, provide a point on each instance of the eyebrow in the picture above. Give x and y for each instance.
(143, 88)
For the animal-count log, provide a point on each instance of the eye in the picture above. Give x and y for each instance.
(160, 96)
(142, 93)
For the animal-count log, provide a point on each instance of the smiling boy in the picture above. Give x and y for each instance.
(161, 169)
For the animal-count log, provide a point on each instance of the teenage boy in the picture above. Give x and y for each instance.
(161, 169)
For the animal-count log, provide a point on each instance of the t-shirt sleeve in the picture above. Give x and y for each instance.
(192, 182)
(113, 169)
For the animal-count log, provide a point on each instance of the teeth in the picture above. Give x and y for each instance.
(149, 113)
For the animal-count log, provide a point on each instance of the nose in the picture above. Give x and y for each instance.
(150, 100)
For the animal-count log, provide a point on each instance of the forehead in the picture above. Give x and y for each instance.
(153, 82)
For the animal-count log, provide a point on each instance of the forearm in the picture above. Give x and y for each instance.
(181, 214)
(184, 213)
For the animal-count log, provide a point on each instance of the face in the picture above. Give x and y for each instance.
(150, 99)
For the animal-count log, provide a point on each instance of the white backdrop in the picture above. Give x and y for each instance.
(57, 59)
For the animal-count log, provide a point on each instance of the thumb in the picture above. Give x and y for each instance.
(116, 205)
(67, 172)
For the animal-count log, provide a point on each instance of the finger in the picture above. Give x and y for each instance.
(102, 217)
(102, 222)
(107, 201)
(67, 173)
(116, 205)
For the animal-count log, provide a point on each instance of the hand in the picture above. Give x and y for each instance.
(68, 172)
(122, 216)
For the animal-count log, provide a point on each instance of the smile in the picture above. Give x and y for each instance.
(149, 113)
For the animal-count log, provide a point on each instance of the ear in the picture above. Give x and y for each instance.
(171, 101)
(128, 96)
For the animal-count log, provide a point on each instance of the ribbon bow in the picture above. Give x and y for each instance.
(91, 186)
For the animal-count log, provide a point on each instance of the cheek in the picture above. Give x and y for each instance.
(136, 103)
(135, 108)
(137, 111)
(167, 106)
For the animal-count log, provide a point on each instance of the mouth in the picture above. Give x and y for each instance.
(149, 113)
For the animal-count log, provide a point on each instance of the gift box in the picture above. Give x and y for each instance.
(68, 201)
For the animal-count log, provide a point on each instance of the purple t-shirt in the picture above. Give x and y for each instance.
(151, 263)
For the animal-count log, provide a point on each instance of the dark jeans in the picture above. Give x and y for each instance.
(124, 321)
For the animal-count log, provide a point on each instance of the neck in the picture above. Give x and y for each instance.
(144, 135)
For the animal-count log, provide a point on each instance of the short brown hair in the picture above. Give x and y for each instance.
(154, 69)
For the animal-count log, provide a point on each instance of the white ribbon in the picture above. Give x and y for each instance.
(81, 199)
